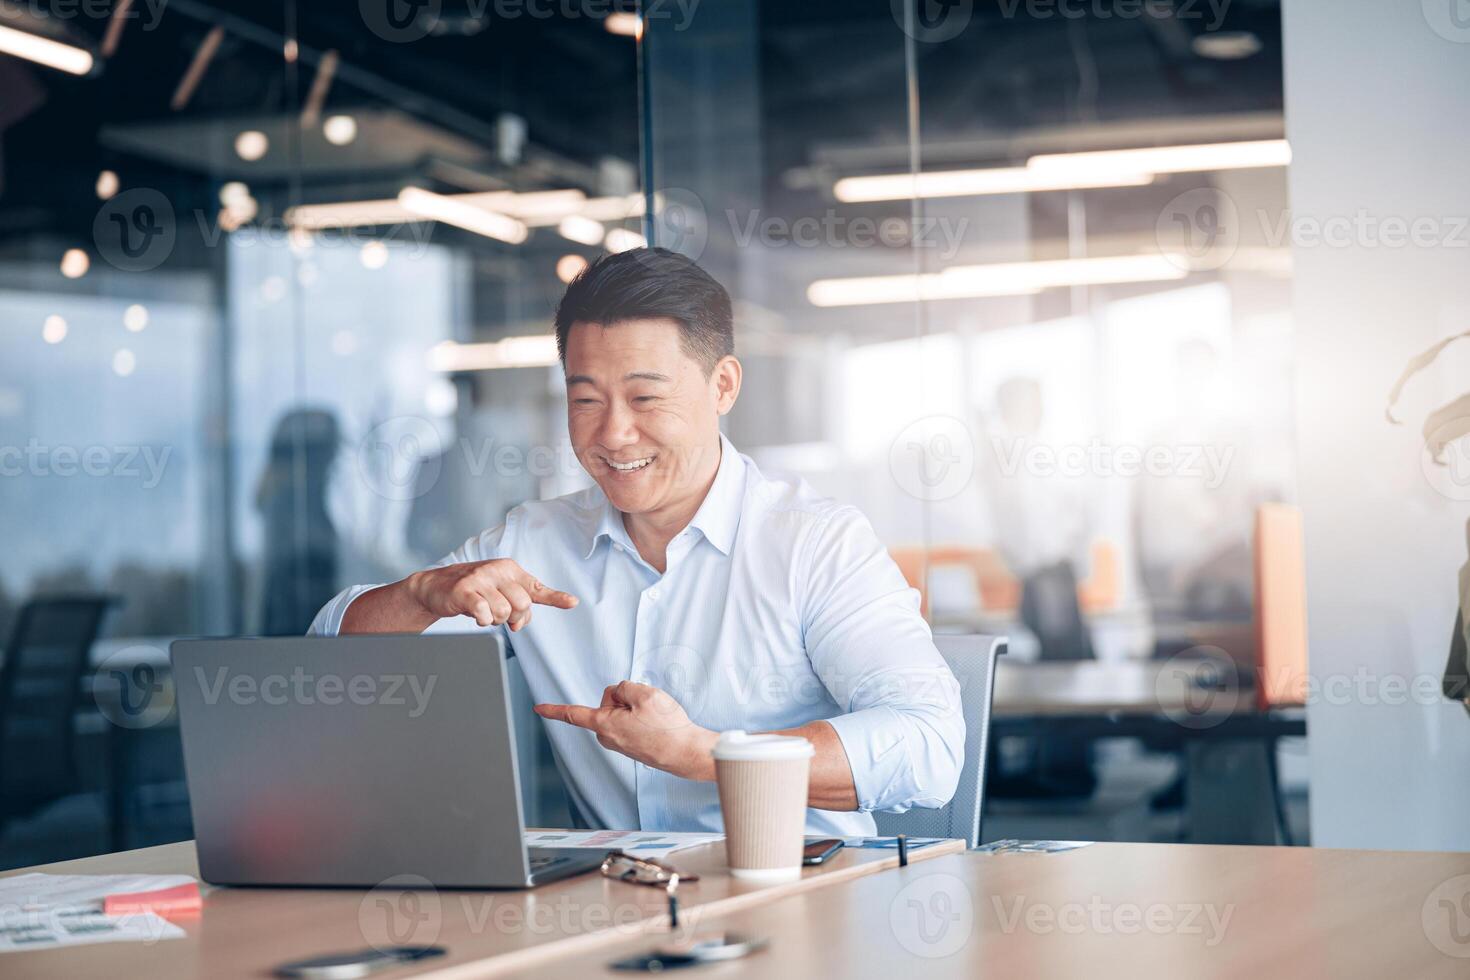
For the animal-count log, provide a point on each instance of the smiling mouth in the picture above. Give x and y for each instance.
(630, 466)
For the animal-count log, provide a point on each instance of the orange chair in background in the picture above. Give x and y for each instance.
(996, 589)
(1281, 607)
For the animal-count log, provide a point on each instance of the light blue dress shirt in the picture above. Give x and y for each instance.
(778, 607)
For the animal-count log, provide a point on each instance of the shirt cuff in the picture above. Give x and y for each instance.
(328, 621)
(873, 739)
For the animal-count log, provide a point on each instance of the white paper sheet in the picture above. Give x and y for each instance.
(643, 843)
(41, 911)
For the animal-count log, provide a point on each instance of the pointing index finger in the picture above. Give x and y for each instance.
(546, 596)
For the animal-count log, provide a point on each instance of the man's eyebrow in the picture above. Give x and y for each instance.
(584, 379)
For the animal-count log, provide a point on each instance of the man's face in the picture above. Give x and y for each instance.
(643, 414)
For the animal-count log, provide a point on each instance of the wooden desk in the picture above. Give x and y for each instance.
(1292, 912)
(246, 932)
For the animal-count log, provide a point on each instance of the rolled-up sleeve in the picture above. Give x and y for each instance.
(328, 621)
(904, 729)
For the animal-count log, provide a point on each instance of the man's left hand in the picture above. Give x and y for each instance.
(645, 724)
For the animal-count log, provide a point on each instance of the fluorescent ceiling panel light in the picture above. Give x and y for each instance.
(44, 51)
(1067, 171)
(452, 211)
(973, 183)
(624, 24)
(512, 352)
(623, 239)
(997, 279)
(194, 74)
(583, 231)
(1197, 158)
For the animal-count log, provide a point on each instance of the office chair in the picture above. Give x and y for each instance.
(40, 692)
(972, 659)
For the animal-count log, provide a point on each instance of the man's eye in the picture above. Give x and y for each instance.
(584, 401)
(646, 398)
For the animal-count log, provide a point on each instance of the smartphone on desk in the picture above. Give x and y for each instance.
(818, 851)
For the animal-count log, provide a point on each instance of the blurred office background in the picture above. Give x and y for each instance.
(276, 282)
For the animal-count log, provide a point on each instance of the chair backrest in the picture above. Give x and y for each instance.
(40, 689)
(1050, 609)
(972, 659)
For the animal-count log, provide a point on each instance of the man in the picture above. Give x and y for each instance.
(688, 594)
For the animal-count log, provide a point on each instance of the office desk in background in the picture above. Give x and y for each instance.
(246, 932)
(1226, 742)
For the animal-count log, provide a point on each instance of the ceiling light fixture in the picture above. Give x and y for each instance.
(451, 211)
(1067, 171)
(996, 279)
(582, 230)
(512, 352)
(44, 51)
(252, 145)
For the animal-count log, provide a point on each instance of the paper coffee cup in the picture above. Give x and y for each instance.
(763, 793)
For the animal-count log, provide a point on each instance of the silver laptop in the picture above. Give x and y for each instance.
(350, 761)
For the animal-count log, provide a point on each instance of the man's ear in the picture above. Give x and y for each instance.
(726, 378)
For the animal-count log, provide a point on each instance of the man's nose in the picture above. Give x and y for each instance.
(617, 428)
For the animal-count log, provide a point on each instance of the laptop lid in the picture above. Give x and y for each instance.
(351, 760)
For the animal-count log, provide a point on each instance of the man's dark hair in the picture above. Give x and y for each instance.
(651, 283)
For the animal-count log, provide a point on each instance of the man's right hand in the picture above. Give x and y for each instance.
(491, 592)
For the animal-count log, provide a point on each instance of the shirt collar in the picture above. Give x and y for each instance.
(718, 516)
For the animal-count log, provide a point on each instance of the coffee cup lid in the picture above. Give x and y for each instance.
(738, 746)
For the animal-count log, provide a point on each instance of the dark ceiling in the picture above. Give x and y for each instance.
(832, 72)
